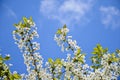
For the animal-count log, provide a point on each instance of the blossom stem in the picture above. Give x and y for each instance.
(34, 61)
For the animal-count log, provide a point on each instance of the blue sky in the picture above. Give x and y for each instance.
(90, 22)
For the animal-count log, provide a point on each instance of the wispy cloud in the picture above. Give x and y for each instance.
(68, 11)
(110, 16)
(9, 11)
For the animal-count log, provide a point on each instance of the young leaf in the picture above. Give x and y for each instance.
(25, 20)
(59, 31)
(64, 26)
(15, 25)
(7, 58)
(1, 57)
(100, 48)
(50, 61)
(16, 76)
(105, 50)
(78, 51)
(31, 19)
(58, 61)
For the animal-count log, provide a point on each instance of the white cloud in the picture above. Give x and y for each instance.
(9, 11)
(110, 17)
(67, 12)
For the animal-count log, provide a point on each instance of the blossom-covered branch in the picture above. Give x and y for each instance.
(24, 35)
(105, 65)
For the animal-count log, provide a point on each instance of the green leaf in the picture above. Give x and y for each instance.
(97, 62)
(64, 34)
(96, 50)
(100, 48)
(64, 26)
(58, 61)
(50, 61)
(7, 58)
(115, 59)
(25, 20)
(59, 31)
(24, 25)
(11, 77)
(75, 60)
(1, 57)
(16, 76)
(15, 25)
(113, 55)
(55, 79)
(94, 67)
(31, 19)
(78, 51)
(105, 50)
(81, 60)
(20, 23)
(117, 51)
(1, 61)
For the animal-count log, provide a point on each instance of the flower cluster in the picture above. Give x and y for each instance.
(23, 35)
(60, 37)
(106, 66)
